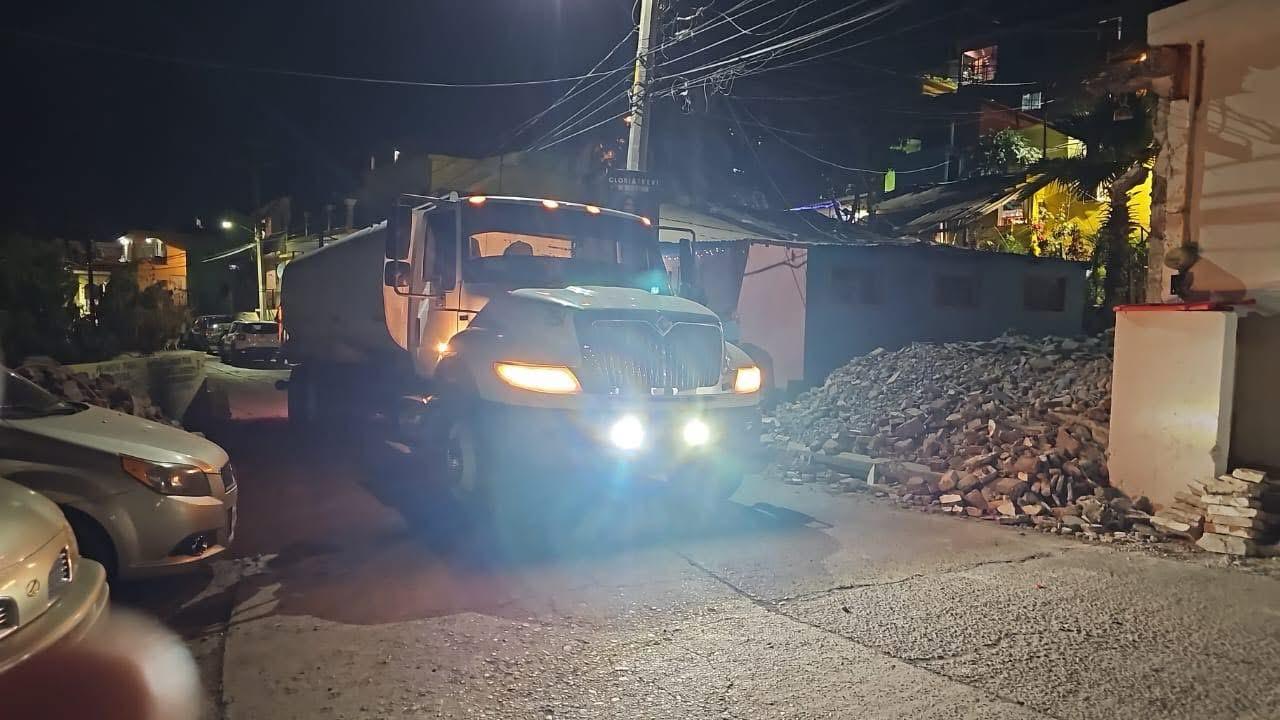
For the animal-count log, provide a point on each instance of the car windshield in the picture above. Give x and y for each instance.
(521, 245)
(258, 328)
(20, 398)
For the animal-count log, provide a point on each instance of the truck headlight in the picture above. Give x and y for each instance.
(696, 433)
(747, 379)
(553, 379)
(167, 478)
(627, 433)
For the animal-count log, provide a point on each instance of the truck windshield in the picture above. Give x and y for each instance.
(521, 245)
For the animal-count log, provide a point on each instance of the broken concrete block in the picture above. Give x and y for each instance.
(1227, 544)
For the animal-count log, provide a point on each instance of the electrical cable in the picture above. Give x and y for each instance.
(573, 91)
(584, 130)
(764, 48)
(220, 65)
(824, 161)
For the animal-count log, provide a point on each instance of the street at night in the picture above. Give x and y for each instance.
(789, 602)
(641, 359)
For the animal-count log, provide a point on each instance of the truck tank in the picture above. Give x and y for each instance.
(333, 302)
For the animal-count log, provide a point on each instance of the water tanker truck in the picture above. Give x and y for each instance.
(518, 348)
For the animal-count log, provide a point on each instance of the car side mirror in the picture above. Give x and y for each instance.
(396, 274)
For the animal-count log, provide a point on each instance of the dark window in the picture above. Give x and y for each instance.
(959, 291)
(1044, 293)
(856, 286)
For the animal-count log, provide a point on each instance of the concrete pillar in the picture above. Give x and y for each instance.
(351, 212)
(1172, 390)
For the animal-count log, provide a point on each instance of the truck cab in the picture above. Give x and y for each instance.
(535, 336)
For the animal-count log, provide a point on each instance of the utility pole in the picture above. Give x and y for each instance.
(638, 142)
(257, 255)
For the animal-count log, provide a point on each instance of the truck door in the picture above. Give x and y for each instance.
(433, 311)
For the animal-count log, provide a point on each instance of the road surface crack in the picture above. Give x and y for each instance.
(918, 575)
(775, 608)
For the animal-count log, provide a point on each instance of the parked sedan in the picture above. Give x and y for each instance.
(143, 498)
(255, 341)
(48, 593)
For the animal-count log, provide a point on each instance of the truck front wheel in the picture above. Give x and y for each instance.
(467, 467)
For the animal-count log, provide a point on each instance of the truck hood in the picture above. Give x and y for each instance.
(597, 297)
(116, 433)
(27, 521)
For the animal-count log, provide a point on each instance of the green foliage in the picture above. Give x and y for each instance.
(1005, 152)
(37, 295)
(138, 320)
(1059, 235)
(1116, 157)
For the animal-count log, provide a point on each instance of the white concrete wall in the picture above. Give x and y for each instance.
(1235, 208)
(1171, 418)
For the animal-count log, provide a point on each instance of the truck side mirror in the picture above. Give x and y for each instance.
(396, 274)
(688, 270)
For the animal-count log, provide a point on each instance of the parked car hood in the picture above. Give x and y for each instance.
(28, 520)
(598, 297)
(116, 433)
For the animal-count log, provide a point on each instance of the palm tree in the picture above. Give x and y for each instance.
(1119, 147)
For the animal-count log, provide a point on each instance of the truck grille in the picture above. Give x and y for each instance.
(635, 356)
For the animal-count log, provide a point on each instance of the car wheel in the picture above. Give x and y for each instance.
(94, 542)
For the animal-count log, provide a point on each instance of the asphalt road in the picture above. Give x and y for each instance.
(787, 602)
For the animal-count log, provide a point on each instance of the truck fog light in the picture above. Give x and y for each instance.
(627, 433)
(696, 433)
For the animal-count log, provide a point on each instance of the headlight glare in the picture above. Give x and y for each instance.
(696, 433)
(627, 433)
(553, 379)
(167, 478)
(747, 380)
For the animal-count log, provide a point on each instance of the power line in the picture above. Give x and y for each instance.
(824, 161)
(763, 48)
(584, 130)
(219, 65)
(574, 91)
(611, 95)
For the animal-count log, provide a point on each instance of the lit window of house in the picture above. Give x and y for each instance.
(1032, 100)
(978, 65)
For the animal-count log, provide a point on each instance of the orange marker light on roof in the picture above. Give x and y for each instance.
(647, 222)
(477, 199)
(550, 204)
(593, 209)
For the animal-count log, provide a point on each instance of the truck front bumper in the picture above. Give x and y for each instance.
(614, 441)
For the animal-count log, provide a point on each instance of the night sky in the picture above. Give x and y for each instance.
(100, 138)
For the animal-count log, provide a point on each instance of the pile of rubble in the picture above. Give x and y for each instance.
(1012, 428)
(1231, 515)
(102, 390)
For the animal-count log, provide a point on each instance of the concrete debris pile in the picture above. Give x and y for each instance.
(1231, 515)
(102, 390)
(1012, 428)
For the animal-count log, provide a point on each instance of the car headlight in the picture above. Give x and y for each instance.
(747, 379)
(553, 379)
(167, 478)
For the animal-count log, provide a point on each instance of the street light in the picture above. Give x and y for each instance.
(257, 253)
